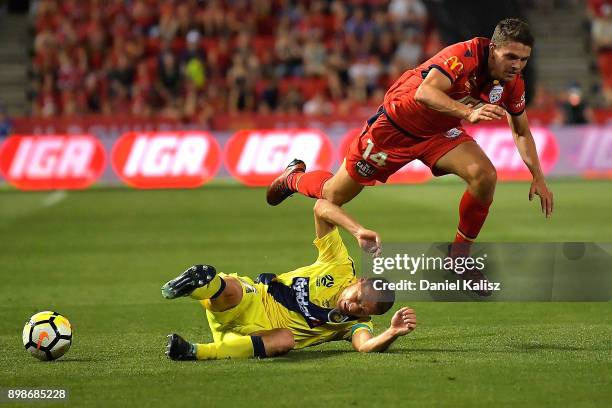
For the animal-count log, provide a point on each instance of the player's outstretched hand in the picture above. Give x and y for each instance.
(539, 187)
(369, 241)
(403, 321)
(486, 112)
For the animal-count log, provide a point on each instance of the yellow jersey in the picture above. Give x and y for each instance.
(304, 300)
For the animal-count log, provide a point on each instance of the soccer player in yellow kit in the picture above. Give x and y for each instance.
(314, 304)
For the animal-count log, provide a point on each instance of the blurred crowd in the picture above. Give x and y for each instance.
(191, 59)
(600, 16)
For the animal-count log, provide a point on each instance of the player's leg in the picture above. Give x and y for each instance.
(266, 343)
(468, 161)
(203, 282)
(339, 188)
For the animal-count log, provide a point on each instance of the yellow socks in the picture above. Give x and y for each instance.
(240, 347)
(210, 291)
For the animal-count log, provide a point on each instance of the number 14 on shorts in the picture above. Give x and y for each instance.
(379, 158)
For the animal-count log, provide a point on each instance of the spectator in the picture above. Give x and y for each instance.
(168, 84)
(318, 105)
(601, 34)
(314, 56)
(6, 124)
(193, 60)
(574, 108)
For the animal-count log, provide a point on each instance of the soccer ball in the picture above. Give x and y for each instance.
(47, 335)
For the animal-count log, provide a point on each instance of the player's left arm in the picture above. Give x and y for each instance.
(402, 323)
(527, 149)
(327, 215)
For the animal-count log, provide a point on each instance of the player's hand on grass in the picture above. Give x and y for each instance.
(539, 187)
(369, 241)
(485, 113)
(403, 321)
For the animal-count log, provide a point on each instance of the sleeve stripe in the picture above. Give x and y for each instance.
(359, 326)
(439, 68)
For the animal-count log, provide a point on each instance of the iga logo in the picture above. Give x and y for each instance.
(181, 159)
(257, 157)
(52, 162)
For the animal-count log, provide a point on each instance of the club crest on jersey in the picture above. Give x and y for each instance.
(453, 133)
(496, 93)
(334, 316)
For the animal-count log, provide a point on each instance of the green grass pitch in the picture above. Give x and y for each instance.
(100, 257)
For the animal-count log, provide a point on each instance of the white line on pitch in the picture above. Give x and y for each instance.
(54, 198)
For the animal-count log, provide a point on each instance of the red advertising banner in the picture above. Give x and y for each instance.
(52, 162)
(181, 159)
(256, 157)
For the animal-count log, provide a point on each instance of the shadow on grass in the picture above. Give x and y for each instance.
(68, 360)
(306, 355)
(540, 346)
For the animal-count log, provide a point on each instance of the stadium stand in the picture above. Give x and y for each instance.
(187, 59)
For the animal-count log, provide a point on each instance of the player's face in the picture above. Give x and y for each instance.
(354, 301)
(507, 60)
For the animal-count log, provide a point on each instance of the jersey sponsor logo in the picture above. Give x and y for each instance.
(496, 93)
(453, 133)
(498, 145)
(181, 159)
(297, 299)
(454, 64)
(257, 157)
(327, 281)
(364, 169)
(300, 286)
(54, 162)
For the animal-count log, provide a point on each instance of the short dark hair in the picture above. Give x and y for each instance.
(384, 298)
(512, 29)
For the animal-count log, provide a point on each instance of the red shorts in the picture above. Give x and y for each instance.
(382, 149)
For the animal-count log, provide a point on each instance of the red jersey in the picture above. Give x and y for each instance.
(465, 64)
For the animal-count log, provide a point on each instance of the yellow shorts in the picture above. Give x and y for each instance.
(247, 317)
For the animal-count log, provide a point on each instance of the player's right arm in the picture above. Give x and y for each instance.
(327, 215)
(432, 93)
(402, 323)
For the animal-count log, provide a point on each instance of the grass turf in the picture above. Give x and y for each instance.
(100, 257)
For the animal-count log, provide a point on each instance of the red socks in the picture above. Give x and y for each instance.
(309, 184)
(472, 215)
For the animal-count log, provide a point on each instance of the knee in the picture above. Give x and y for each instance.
(482, 177)
(286, 341)
(281, 341)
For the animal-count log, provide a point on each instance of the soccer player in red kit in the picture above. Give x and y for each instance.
(476, 80)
